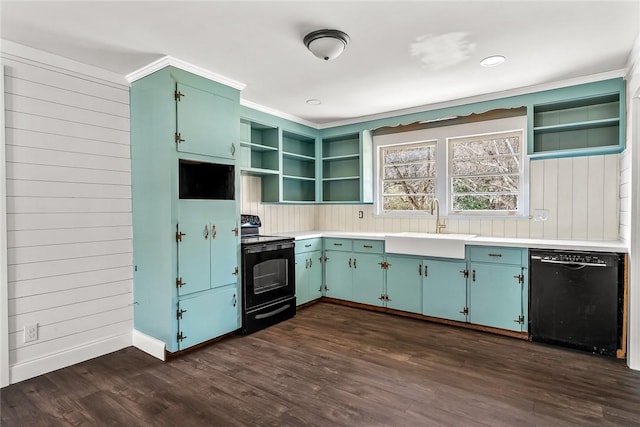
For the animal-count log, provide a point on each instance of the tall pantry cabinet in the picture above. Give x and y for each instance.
(186, 244)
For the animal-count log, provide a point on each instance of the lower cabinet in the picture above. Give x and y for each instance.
(308, 270)
(404, 283)
(497, 287)
(444, 289)
(353, 270)
(488, 287)
(204, 316)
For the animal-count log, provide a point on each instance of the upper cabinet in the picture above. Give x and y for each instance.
(580, 123)
(347, 166)
(202, 119)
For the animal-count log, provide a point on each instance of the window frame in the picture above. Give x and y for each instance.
(380, 174)
(441, 133)
(521, 157)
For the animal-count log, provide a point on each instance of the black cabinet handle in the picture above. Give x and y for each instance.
(473, 275)
(368, 246)
(354, 263)
(337, 244)
(419, 269)
(349, 262)
(495, 255)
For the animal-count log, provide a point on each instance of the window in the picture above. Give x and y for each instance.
(407, 176)
(485, 173)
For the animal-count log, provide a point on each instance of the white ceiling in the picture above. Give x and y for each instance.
(260, 44)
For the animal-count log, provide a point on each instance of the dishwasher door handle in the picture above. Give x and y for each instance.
(582, 264)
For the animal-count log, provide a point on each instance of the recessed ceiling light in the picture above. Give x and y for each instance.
(314, 101)
(492, 61)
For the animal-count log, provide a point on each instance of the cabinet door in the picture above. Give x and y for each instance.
(315, 275)
(207, 316)
(193, 253)
(368, 278)
(444, 289)
(302, 278)
(495, 295)
(224, 251)
(338, 275)
(404, 283)
(206, 122)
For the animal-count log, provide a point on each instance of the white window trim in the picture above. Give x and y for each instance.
(441, 134)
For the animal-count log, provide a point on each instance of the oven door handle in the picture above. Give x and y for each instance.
(272, 313)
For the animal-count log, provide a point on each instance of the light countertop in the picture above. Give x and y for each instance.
(577, 245)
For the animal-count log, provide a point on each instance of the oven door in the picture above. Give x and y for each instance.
(268, 273)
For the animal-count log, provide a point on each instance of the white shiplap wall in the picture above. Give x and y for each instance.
(69, 233)
(581, 195)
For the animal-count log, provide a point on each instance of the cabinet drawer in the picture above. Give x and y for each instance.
(331, 244)
(495, 255)
(308, 245)
(371, 246)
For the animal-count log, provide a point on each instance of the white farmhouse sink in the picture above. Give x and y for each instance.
(427, 244)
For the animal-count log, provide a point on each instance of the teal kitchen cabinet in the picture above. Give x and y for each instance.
(338, 258)
(347, 168)
(497, 287)
(206, 316)
(202, 121)
(308, 270)
(353, 270)
(403, 283)
(444, 292)
(185, 250)
(207, 230)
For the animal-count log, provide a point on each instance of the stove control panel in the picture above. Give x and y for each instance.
(250, 221)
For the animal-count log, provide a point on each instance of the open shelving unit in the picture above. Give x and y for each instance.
(341, 171)
(583, 126)
(298, 167)
(259, 145)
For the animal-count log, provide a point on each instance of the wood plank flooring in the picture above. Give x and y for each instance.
(337, 366)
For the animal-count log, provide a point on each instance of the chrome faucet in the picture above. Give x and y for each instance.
(435, 204)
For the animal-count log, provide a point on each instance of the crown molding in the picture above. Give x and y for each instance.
(277, 113)
(167, 61)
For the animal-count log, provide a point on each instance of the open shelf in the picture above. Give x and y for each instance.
(577, 126)
(259, 145)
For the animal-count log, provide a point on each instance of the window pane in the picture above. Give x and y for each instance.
(408, 154)
(416, 170)
(488, 184)
(485, 165)
(486, 147)
(405, 203)
(502, 202)
(409, 187)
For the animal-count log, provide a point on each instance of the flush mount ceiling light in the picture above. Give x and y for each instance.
(326, 44)
(492, 61)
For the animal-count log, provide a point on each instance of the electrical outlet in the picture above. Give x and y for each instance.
(360, 214)
(31, 333)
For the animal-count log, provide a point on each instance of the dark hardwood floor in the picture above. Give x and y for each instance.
(338, 366)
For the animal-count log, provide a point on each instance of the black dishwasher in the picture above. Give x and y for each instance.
(575, 299)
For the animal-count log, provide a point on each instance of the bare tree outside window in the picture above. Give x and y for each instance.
(484, 172)
(408, 176)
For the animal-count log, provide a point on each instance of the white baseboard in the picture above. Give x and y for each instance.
(148, 344)
(52, 362)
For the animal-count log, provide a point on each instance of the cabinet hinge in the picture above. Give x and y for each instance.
(520, 320)
(384, 265)
(384, 297)
(179, 236)
(235, 231)
(177, 138)
(179, 313)
(465, 311)
(177, 95)
(180, 337)
(180, 283)
(465, 273)
(520, 278)
(235, 271)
